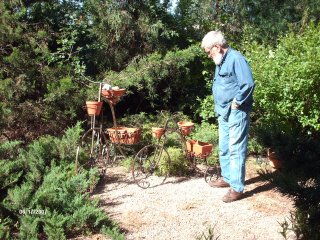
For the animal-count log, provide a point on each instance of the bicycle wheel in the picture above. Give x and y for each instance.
(212, 173)
(93, 149)
(115, 153)
(151, 166)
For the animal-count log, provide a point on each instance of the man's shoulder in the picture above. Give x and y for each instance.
(234, 54)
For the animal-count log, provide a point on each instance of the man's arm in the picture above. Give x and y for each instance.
(245, 80)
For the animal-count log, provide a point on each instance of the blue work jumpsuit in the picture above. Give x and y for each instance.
(233, 81)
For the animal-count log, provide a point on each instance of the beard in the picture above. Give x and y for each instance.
(218, 58)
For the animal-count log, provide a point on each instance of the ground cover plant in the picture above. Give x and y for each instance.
(41, 196)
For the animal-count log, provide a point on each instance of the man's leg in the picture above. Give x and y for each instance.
(239, 126)
(224, 155)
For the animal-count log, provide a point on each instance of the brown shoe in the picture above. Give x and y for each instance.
(231, 196)
(220, 183)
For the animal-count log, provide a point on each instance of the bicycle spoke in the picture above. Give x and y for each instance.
(212, 173)
(151, 166)
(93, 150)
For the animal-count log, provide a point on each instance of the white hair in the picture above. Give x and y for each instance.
(214, 38)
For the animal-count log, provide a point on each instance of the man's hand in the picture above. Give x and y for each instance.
(235, 105)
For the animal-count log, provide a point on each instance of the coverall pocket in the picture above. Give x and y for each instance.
(236, 117)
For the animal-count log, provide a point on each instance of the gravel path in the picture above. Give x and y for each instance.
(186, 208)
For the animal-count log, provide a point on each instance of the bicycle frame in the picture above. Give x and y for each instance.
(97, 132)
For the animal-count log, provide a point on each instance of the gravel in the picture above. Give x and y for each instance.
(188, 208)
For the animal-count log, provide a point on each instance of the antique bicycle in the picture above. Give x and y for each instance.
(100, 146)
(151, 165)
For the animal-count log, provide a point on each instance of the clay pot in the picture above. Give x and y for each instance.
(157, 132)
(190, 144)
(93, 107)
(202, 149)
(125, 135)
(185, 127)
(134, 135)
(274, 159)
(120, 131)
(113, 93)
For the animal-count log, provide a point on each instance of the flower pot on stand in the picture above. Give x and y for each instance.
(134, 135)
(113, 93)
(274, 159)
(118, 134)
(157, 132)
(94, 108)
(185, 127)
(202, 149)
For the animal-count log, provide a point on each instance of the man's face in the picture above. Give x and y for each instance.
(215, 54)
(211, 51)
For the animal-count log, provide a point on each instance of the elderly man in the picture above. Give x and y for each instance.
(232, 89)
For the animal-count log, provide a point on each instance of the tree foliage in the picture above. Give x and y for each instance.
(47, 47)
(38, 68)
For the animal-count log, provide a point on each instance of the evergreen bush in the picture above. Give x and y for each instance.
(42, 194)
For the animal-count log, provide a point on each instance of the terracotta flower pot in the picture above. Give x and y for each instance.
(113, 93)
(125, 135)
(185, 127)
(190, 144)
(157, 132)
(274, 159)
(202, 149)
(120, 131)
(134, 135)
(93, 107)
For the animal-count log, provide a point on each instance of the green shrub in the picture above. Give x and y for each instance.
(163, 81)
(287, 80)
(45, 196)
(112, 232)
(206, 132)
(286, 118)
(178, 163)
(5, 224)
(254, 146)
(206, 109)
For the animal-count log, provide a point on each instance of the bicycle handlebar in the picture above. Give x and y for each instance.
(91, 80)
(171, 115)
